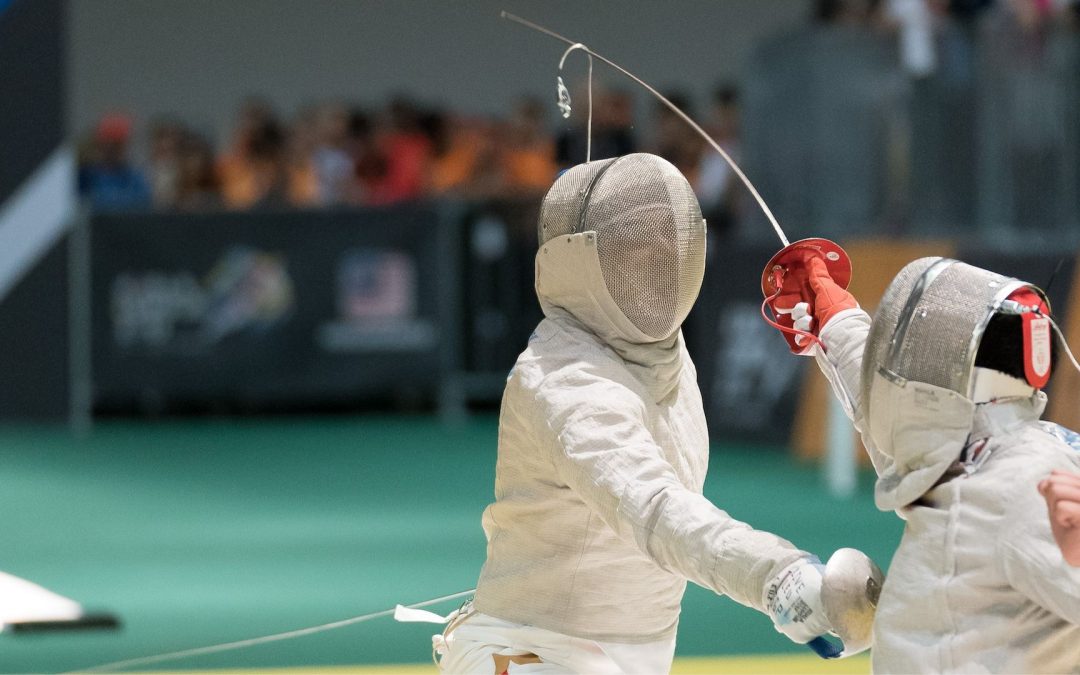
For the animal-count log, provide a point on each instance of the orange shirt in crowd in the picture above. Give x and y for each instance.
(239, 183)
(303, 184)
(530, 167)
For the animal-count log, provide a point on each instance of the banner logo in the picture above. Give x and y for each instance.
(377, 300)
(246, 291)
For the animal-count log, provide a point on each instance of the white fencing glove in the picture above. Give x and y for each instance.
(802, 320)
(808, 601)
(793, 600)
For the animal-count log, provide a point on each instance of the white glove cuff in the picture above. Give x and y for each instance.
(839, 318)
(793, 601)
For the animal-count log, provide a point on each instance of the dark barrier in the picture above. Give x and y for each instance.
(265, 310)
(33, 41)
(749, 380)
(299, 310)
(34, 342)
(242, 312)
(498, 301)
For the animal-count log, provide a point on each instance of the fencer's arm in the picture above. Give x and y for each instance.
(602, 450)
(844, 337)
(1029, 556)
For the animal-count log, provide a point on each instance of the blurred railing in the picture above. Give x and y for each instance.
(986, 147)
(272, 310)
(423, 305)
(301, 310)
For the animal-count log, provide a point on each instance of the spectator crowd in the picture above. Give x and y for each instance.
(333, 154)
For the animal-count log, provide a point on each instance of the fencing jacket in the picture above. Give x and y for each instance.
(598, 519)
(978, 584)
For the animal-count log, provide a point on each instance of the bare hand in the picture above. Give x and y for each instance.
(1061, 490)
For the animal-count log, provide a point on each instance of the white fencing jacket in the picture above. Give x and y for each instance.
(977, 584)
(598, 519)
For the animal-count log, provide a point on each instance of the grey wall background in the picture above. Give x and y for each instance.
(197, 59)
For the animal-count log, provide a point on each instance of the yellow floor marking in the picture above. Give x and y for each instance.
(763, 665)
(696, 665)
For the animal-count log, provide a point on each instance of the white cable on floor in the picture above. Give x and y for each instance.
(251, 642)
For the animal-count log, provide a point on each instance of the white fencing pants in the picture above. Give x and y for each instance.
(481, 644)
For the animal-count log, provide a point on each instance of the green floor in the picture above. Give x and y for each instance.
(210, 531)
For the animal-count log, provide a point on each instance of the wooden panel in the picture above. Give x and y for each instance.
(874, 264)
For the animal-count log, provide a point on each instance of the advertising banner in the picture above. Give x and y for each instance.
(271, 309)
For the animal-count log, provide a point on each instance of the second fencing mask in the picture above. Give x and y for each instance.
(917, 370)
(649, 235)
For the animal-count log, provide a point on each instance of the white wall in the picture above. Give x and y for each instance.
(198, 58)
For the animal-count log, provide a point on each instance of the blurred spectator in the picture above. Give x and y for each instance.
(915, 21)
(942, 118)
(612, 133)
(406, 149)
(106, 178)
(453, 153)
(528, 152)
(197, 186)
(963, 10)
(464, 159)
(166, 138)
(823, 124)
(268, 166)
(334, 169)
(846, 12)
(251, 166)
(673, 139)
(1027, 87)
(369, 163)
(302, 180)
(716, 185)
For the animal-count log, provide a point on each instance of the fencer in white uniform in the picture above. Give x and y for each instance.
(944, 386)
(599, 519)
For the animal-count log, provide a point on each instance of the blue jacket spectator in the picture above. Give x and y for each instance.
(106, 179)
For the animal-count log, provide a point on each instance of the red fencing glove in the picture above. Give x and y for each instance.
(829, 299)
(808, 299)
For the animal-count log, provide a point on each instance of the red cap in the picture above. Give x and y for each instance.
(114, 127)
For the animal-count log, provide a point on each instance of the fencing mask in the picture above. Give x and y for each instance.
(649, 236)
(917, 379)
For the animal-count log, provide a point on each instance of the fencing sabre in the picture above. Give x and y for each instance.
(836, 259)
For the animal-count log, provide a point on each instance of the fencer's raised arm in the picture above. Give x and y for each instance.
(834, 316)
(844, 337)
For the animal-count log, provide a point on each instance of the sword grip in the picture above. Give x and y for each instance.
(825, 649)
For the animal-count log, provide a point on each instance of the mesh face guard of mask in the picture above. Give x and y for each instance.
(650, 236)
(930, 322)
